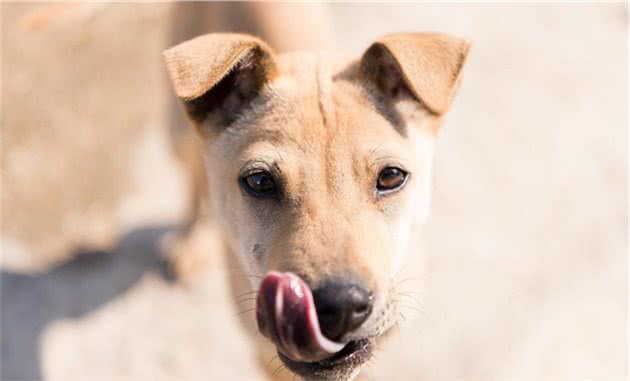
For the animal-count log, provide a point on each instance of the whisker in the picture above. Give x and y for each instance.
(402, 316)
(247, 276)
(407, 292)
(279, 368)
(405, 280)
(246, 311)
(411, 307)
(270, 361)
(239, 271)
(397, 273)
(245, 300)
(247, 293)
(412, 298)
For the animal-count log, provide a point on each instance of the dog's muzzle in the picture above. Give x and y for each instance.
(286, 314)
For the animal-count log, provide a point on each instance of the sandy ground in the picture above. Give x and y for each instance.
(526, 262)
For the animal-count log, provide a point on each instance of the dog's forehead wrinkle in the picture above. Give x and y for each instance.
(324, 85)
(329, 123)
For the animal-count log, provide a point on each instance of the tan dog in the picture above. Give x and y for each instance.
(319, 172)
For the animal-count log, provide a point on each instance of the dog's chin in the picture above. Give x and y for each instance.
(342, 366)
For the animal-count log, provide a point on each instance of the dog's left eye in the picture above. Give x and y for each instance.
(260, 184)
(391, 178)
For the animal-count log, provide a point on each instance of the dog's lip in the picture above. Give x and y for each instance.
(285, 312)
(352, 356)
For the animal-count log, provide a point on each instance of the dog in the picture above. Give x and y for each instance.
(319, 171)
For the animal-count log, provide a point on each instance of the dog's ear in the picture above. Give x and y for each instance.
(424, 66)
(218, 74)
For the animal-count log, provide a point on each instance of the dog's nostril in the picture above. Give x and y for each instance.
(361, 309)
(363, 302)
(341, 307)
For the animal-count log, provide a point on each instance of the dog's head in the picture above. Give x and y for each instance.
(319, 169)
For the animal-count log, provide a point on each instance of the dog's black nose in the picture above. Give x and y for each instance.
(341, 307)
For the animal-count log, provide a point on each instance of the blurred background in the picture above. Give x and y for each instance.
(526, 250)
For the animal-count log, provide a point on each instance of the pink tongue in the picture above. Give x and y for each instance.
(286, 314)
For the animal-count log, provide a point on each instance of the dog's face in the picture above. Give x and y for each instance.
(320, 169)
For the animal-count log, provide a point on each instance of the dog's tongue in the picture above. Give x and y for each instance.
(286, 314)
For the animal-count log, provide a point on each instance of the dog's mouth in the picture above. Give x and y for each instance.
(340, 366)
(286, 314)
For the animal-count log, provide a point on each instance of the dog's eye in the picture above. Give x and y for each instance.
(391, 178)
(259, 184)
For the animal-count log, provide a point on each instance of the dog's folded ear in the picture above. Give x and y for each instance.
(424, 66)
(219, 73)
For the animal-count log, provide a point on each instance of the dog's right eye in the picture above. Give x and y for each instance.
(259, 184)
(391, 179)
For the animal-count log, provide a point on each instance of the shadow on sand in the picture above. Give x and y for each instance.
(71, 290)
